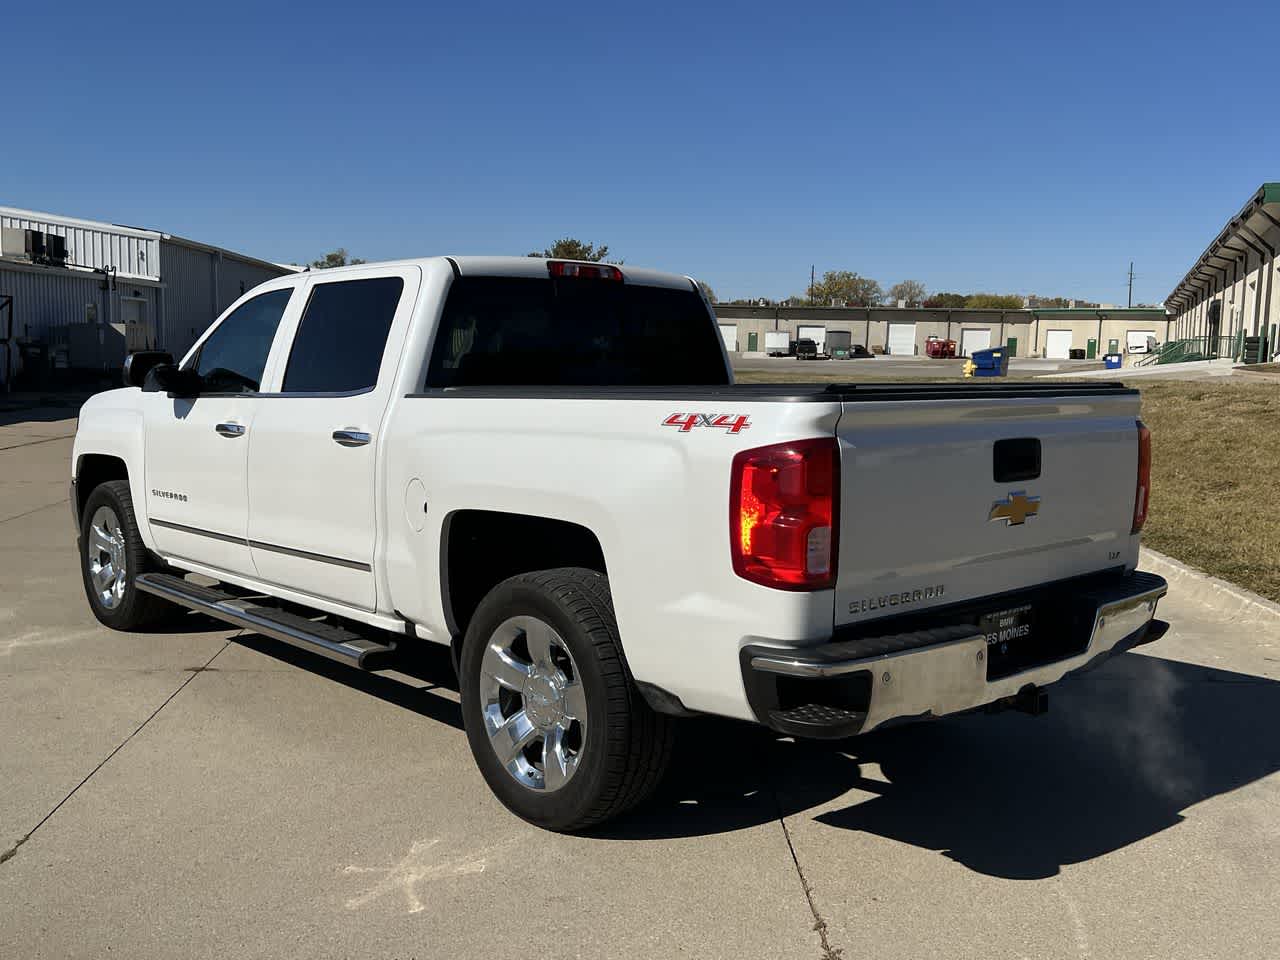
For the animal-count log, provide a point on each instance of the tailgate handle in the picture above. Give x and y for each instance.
(1016, 459)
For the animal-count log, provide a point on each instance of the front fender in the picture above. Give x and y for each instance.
(111, 425)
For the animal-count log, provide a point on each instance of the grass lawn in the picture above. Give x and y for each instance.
(1215, 475)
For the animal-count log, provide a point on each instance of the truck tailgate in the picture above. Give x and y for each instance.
(941, 500)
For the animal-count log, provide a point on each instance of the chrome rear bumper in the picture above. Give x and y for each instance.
(841, 688)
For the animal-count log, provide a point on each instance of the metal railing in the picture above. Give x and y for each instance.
(1195, 348)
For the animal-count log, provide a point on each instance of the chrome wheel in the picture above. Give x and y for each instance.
(105, 555)
(533, 703)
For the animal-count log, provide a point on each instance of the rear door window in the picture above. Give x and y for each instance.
(342, 335)
(517, 331)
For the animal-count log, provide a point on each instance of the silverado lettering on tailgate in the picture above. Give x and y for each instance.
(903, 599)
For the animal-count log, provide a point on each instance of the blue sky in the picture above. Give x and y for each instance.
(1015, 148)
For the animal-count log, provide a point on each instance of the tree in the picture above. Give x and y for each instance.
(707, 291)
(336, 258)
(571, 248)
(993, 301)
(946, 301)
(912, 291)
(845, 286)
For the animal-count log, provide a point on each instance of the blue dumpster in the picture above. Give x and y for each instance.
(991, 363)
(1113, 361)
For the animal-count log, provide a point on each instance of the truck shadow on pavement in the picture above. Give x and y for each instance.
(1122, 753)
(427, 671)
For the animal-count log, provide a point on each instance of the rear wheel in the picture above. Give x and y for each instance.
(554, 721)
(112, 555)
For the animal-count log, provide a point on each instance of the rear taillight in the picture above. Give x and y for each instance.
(583, 271)
(1142, 499)
(782, 514)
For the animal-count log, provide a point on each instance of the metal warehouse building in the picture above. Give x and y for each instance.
(1051, 333)
(1224, 306)
(79, 294)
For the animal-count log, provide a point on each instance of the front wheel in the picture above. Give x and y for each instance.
(112, 555)
(556, 725)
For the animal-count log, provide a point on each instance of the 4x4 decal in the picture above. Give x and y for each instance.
(732, 422)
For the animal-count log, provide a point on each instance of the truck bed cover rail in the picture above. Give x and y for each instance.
(793, 392)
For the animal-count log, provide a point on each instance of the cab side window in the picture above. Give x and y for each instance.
(342, 335)
(233, 357)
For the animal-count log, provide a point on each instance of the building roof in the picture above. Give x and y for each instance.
(1245, 232)
(65, 221)
(743, 311)
(242, 257)
(140, 233)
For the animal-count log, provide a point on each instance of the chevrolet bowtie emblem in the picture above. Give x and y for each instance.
(1015, 508)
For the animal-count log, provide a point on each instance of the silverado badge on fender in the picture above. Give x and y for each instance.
(1015, 508)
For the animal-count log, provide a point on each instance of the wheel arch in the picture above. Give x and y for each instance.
(91, 471)
(481, 548)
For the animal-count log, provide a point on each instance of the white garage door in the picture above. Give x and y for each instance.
(971, 340)
(902, 339)
(1136, 340)
(1057, 344)
(730, 333)
(817, 334)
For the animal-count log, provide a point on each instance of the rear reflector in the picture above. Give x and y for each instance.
(585, 271)
(782, 514)
(1142, 498)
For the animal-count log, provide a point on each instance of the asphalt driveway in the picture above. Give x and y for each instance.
(209, 793)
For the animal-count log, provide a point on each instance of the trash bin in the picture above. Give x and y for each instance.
(991, 363)
(1112, 361)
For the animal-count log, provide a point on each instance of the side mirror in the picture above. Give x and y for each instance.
(169, 379)
(137, 365)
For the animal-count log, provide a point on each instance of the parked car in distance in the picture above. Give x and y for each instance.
(807, 349)
(860, 352)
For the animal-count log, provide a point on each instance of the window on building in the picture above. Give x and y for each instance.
(233, 357)
(339, 344)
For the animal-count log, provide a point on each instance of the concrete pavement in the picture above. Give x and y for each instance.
(205, 793)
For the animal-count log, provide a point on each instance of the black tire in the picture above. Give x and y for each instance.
(133, 608)
(626, 746)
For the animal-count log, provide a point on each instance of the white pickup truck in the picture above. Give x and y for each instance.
(546, 465)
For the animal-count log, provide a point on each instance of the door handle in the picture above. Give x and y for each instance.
(230, 429)
(351, 438)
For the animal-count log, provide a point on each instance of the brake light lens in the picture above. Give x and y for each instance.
(782, 514)
(585, 271)
(1142, 499)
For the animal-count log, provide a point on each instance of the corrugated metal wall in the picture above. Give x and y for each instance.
(236, 277)
(46, 300)
(49, 299)
(189, 301)
(199, 285)
(134, 253)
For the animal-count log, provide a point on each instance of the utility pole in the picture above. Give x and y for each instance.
(1131, 283)
(812, 280)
